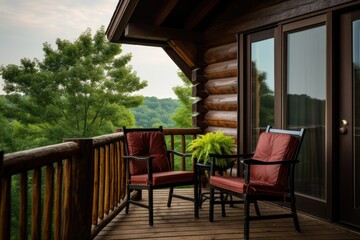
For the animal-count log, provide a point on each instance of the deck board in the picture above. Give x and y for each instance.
(178, 222)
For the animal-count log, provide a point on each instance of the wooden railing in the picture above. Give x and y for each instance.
(69, 190)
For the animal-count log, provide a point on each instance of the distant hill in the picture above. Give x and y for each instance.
(155, 112)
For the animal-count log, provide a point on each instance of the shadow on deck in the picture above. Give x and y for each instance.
(178, 222)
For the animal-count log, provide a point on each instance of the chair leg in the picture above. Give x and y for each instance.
(294, 213)
(257, 210)
(127, 199)
(196, 200)
(246, 217)
(151, 208)
(171, 191)
(222, 199)
(231, 201)
(211, 205)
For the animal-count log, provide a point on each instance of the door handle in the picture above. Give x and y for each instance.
(343, 129)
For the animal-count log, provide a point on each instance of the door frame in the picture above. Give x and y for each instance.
(345, 111)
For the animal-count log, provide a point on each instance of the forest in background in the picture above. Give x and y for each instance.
(155, 112)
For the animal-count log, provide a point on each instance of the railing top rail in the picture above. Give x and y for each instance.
(21, 161)
(182, 131)
(176, 131)
(106, 139)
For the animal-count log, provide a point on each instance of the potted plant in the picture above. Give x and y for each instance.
(212, 143)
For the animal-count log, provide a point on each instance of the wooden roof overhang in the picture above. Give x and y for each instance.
(187, 28)
(183, 28)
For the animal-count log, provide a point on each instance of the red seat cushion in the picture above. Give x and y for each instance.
(238, 185)
(163, 178)
(143, 144)
(273, 147)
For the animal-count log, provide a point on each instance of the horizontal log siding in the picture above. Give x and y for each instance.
(221, 69)
(221, 85)
(222, 118)
(222, 102)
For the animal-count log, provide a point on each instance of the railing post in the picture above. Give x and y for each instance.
(82, 190)
(1, 169)
(4, 202)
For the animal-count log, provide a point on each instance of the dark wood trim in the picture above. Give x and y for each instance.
(330, 123)
(150, 32)
(184, 67)
(119, 20)
(311, 205)
(278, 78)
(241, 93)
(144, 42)
(274, 13)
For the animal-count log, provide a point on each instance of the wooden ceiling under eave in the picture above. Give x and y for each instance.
(178, 26)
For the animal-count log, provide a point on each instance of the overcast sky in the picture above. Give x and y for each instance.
(26, 24)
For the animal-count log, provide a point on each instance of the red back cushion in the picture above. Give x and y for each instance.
(273, 147)
(143, 144)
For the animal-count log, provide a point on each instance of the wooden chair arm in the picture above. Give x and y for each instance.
(148, 159)
(139, 158)
(180, 154)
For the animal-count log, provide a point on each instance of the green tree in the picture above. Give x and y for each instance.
(183, 114)
(80, 89)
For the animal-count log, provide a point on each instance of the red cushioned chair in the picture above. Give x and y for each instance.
(268, 175)
(148, 167)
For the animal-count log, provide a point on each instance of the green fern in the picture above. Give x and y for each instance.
(212, 143)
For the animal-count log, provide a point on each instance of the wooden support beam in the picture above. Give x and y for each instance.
(164, 12)
(200, 13)
(151, 32)
(186, 50)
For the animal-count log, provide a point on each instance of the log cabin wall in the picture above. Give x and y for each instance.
(216, 86)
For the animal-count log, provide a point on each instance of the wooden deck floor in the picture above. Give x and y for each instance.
(178, 222)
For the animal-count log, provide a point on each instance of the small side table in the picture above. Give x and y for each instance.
(201, 169)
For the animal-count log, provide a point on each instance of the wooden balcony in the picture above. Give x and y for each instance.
(69, 190)
(178, 222)
(76, 190)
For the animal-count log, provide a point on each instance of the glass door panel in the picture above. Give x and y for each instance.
(306, 101)
(262, 87)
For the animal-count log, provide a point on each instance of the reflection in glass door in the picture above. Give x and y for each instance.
(262, 84)
(306, 101)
